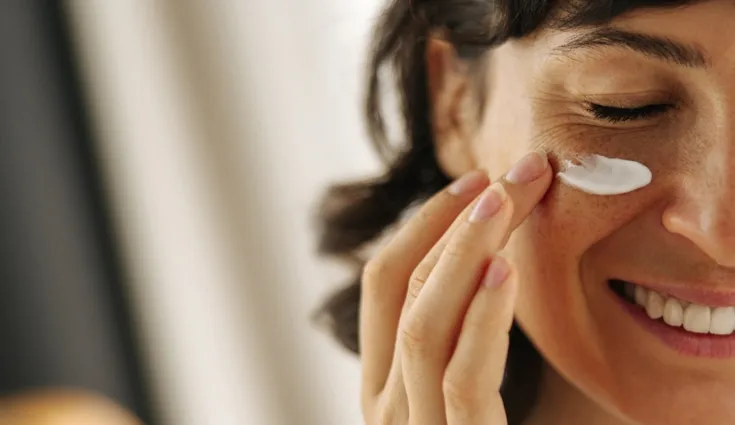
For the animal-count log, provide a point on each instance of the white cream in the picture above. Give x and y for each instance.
(599, 175)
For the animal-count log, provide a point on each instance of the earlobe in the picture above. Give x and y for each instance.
(448, 93)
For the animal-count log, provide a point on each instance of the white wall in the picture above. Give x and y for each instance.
(220, 123)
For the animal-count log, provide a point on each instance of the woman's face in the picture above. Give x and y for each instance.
(678, 233)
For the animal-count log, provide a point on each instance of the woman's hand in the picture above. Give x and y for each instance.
(437, 304)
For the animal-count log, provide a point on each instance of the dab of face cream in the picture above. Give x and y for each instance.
(599, 175)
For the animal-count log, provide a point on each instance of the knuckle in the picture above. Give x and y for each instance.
(424, 215)
(459, 247)
(414, 337)
(429, 212)
(462, 392)
(417, 282)
(390, 413)
(385, 418)
(375, 272)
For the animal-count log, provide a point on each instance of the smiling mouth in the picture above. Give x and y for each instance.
(677, 313)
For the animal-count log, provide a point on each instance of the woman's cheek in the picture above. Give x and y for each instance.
(547, 250)
(550, 306)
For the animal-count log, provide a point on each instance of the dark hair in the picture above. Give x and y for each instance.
(357, 213)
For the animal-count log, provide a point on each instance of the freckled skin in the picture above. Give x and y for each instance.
(678, 227)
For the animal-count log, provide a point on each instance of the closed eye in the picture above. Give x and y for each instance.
(616, 114)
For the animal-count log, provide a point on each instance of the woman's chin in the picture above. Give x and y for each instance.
(641, 368)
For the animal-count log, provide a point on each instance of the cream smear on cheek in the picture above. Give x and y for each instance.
(599, 175)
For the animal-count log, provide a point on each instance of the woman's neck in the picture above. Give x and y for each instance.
(560, 403)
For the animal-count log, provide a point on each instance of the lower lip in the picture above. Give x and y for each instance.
(690, 344)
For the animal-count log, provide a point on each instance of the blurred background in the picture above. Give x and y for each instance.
(160, 165)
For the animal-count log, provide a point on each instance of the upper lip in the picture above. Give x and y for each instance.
(691, 292)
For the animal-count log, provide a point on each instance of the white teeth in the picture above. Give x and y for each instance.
(697, 319)
(655, 305)
(674, 313)
(722, 321)
(641, 296)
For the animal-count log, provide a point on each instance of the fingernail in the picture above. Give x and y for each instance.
(468, 183)
(489, 204)
(497, 273)
(529, 168)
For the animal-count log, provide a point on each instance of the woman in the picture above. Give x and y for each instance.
(488, 83)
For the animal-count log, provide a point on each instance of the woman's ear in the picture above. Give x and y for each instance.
(448, 84)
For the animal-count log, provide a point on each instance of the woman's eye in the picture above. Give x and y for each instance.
(615, 114)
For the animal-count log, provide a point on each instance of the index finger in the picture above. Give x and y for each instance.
(524, 189)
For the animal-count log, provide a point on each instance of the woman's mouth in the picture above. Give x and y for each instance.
(677, 313)
(690, 328)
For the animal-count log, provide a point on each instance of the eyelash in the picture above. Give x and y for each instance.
(615, 115)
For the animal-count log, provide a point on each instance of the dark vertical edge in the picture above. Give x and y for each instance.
(73, 91)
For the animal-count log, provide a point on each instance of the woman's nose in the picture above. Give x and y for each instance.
(705, 214)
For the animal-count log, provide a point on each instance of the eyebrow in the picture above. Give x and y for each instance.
(657, 47)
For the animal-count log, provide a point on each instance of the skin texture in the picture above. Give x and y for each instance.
(604, 369)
